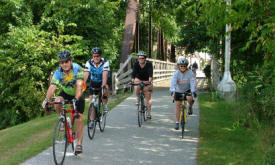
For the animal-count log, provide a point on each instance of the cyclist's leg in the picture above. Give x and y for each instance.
(177, 111)
(147, 94)
(91, 92)
(190, 102)
(92, 115)
(137, 89)
(105, 97)
(59, 98)
(178, 104)
(79, 121)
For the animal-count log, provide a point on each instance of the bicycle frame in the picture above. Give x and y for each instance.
(72, 111)
(96, 100)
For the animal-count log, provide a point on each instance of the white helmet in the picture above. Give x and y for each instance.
(182, 60)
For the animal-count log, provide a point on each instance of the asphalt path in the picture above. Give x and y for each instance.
(124, 143)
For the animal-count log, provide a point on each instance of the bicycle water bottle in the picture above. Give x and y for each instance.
(69, 122)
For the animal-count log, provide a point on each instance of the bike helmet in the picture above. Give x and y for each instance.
(141, 53)
(64, 55)
(182, 60)
(96, 50)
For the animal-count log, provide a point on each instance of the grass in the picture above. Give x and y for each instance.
(24, 141)
(224, 141)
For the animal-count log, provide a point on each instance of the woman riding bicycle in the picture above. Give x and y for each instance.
(182, 81)
(143, 72)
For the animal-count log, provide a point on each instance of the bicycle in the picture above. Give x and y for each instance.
(183, 112)
(141, 107)
(64, 130)
(99, 115)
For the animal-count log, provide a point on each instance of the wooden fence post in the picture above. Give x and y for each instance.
(114, 83)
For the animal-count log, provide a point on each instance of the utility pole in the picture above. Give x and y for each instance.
(227, 87)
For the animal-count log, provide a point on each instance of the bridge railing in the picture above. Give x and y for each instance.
(162, 70)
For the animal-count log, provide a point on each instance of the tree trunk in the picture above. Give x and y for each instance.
(150, 32)
(137, 34)
(129, 30)
(173, 53)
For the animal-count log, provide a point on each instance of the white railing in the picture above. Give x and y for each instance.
(161, 71)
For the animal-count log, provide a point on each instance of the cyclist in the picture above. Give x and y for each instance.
(182, 81)
(69, 76)
(143, 72)
(194, 68)
(98, 68)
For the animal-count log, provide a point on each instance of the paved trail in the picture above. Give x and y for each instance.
(124, 143)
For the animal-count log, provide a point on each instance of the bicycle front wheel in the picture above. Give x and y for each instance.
(145, 113)
(139, 113)
(91, 124)
(102, 118)
(60, 141)
(182, 116)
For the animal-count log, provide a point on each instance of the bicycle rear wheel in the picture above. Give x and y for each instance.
(60, 141)
(102, 117)
(91, 130)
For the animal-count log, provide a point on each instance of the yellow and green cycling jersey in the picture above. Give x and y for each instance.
(68, 81)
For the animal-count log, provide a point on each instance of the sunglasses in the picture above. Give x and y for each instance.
(141, 58)
(96, 56)
(64, 62)
(183, 66)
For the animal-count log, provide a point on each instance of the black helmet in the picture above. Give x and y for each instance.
(64, 55)
(182, 60)
(141, 53)
(96, 50)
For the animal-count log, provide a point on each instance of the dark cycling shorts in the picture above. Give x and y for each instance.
(80, 109)
(178, 96)
(95, 85)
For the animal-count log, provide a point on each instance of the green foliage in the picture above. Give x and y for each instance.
(259, 93)
(33, 32)
(31, 57)
(14, 13)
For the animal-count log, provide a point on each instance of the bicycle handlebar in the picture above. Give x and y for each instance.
(140, 84)
(64, 102)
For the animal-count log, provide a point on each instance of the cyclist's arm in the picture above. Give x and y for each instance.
(104, 77)
(86, 75)
(86, 71)
(50, 91)
(173, 82)
(192, 84)
(150, 79)
(150, 73)
(134, 73)
(106, 69)
(79, 86)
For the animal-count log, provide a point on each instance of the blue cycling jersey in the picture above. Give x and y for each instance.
(96, 70)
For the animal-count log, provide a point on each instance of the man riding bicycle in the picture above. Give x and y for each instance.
(182, 81)
(143, 72)
(98, 68)
(69, 76)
